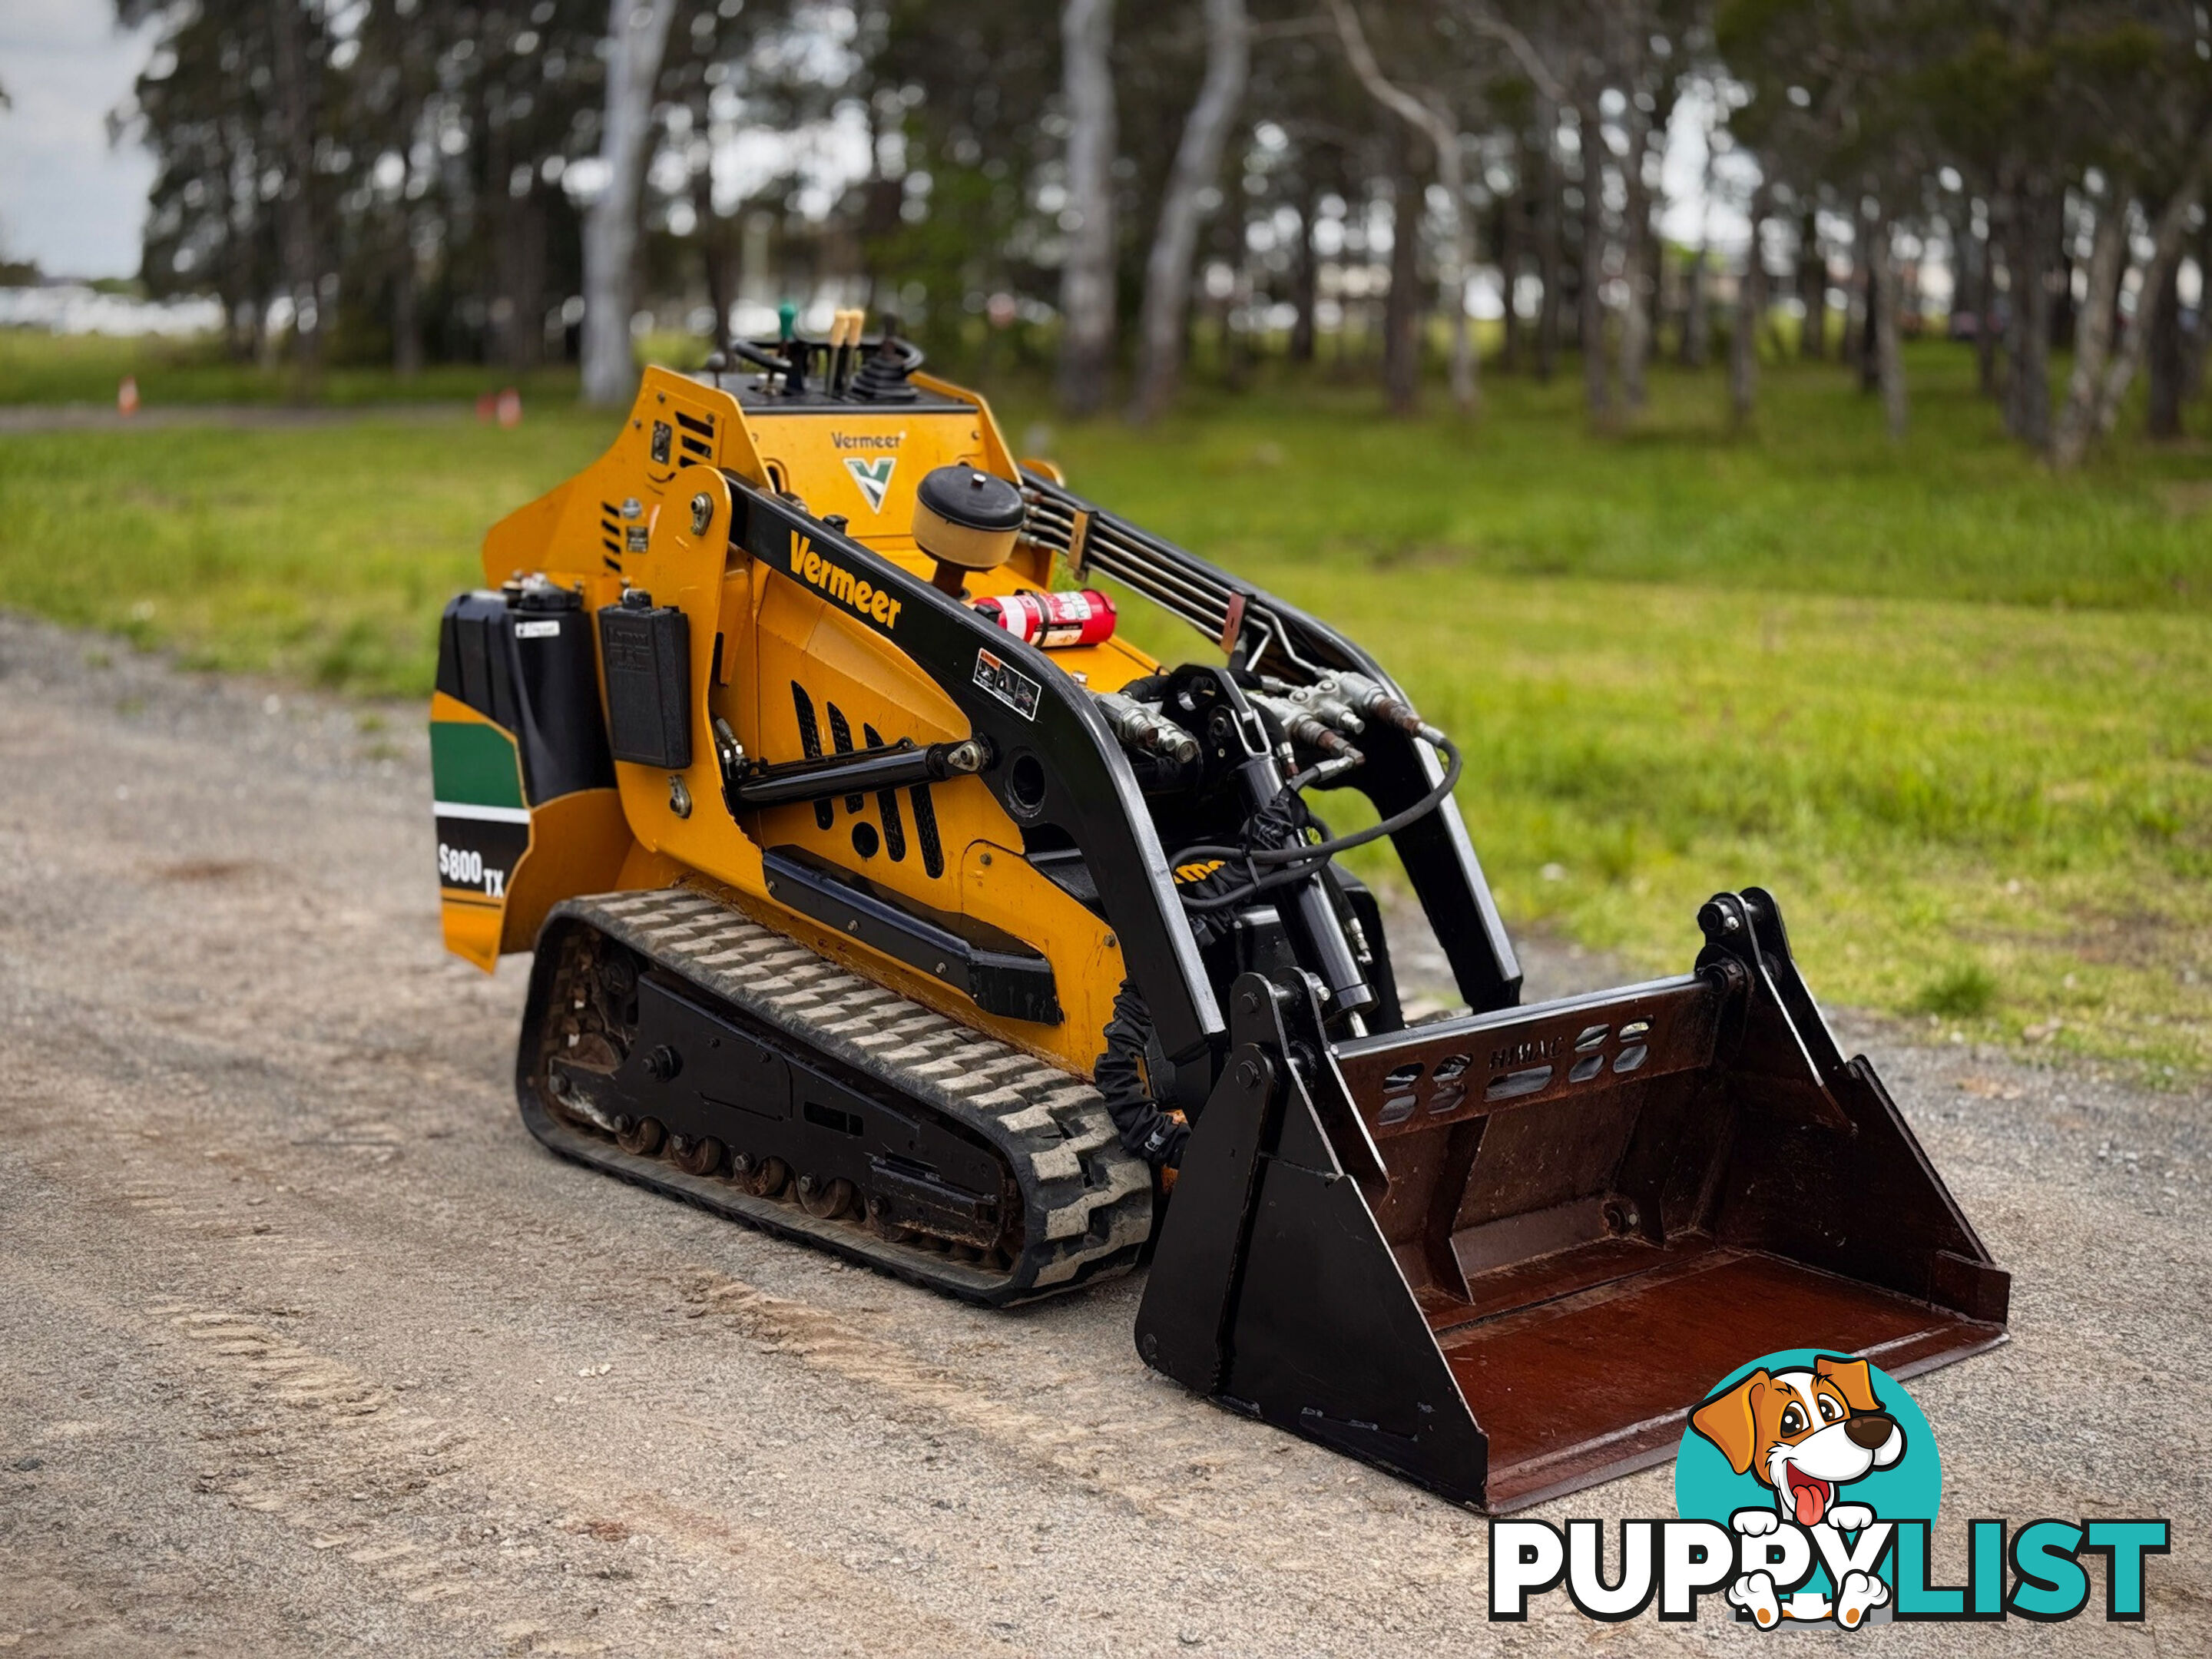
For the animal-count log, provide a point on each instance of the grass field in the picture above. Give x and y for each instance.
(1956, 712)
(40, 368)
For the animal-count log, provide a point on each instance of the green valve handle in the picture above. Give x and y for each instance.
(786, 318)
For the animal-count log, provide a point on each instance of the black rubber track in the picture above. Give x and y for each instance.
(1088, 1207)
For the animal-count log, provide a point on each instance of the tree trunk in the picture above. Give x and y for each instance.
(1235, 345)
(1636, 239)
(637, 34)
(1305, 273)
(1457, 261)
(2028, 333)
(295, 71)
(1086, 278)
(1401, 315)
(242, 328)
(1429, 115)
(1175, 237)
(2077, 416)
(522, 280)
(1697, 315)
(1750, 310)
(2167, 358)
(1985, 320)
(1812, 289)
(1551, 255)
(1511, 234)
(1597, 386)
(2192, 345)
(1851, 350)
(1889, 357)
(2166, 256)
(1874, 232)
(2064, 313)
(406, 308)
(714, 253)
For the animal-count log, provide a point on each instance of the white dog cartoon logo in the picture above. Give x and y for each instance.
(1805, 1434)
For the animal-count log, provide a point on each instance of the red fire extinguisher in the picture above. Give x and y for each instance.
(1083, 616)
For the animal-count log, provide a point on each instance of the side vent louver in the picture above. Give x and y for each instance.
(840, 734)
(925, 830)
(888, 807)
(810, 741)
(698, 439)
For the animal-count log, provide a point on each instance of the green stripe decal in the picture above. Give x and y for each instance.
(475, 764)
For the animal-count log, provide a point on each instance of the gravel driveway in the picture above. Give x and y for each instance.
(309, 1347)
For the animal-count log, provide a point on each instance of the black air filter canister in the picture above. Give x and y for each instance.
(647, 649)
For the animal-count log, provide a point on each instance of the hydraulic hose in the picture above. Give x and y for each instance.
(1145, 1131)
(1302, 852)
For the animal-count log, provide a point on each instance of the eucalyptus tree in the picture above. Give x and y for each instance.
(1175, 234)
(1086, 278)
(637, 35)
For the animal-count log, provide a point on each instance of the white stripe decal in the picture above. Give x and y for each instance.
(462, 809)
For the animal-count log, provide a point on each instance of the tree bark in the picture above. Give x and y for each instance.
(295, 71)
(1512, 223)
(1859, 350)
(522, 279)
(2063, 315)
(1457, 261)
(1305, 273)
(1401, 315)
(1985, 319)
(406, 308)
(1175, 236)
(714, 252)
(1697, 317)
(2166, 256)
(1551, 255)
(1597, 384)
(1812, 289)
(2077, 417)
(2028, 332)
(1636, 239)
(1750, 309)
(1874, 231)
(2167, 357)
(1882, 291)
(1086, 276)
(1427, 114)
(637, 33)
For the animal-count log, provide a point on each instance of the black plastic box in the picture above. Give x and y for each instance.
(646, 650)
(524, 660)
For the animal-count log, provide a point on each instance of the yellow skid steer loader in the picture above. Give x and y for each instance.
(884, 897)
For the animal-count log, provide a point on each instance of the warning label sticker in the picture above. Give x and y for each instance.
(1008, 683)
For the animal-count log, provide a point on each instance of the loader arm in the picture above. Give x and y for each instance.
(1258, 631)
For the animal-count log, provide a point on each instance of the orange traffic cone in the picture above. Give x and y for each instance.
(126, 396)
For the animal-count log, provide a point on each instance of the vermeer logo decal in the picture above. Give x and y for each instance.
(874, 477)
(1807, 1484)
(841, 584)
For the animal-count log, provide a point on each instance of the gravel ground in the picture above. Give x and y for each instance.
(310, 1347)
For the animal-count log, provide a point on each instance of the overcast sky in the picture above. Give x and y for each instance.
(67, 199)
